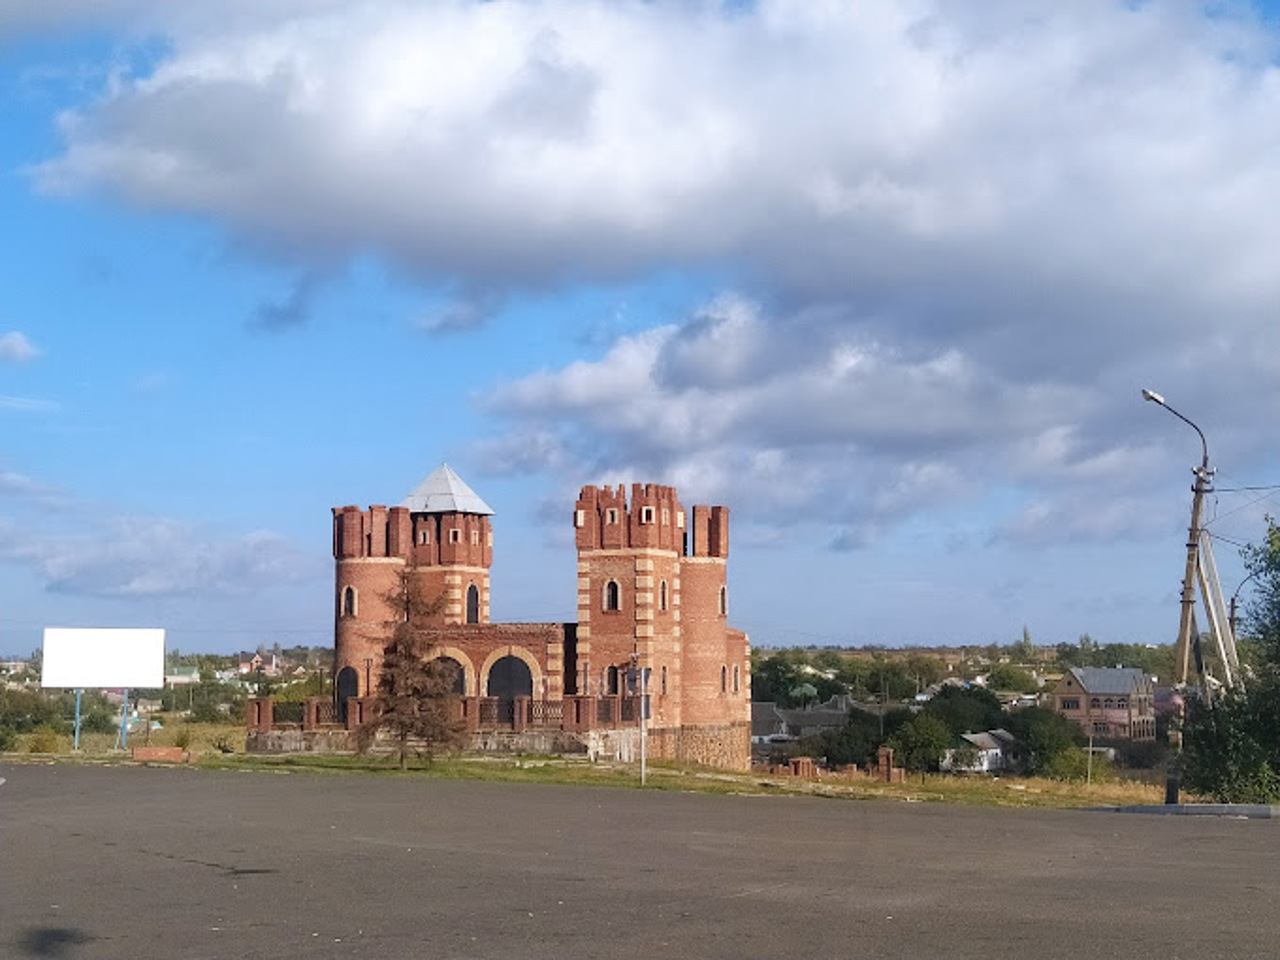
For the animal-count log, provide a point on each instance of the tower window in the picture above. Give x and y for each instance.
(666, 516)
(349, 602)
(662, 595)
(724, 601)
(455, 535)
(580, 518)
(724, 678)
(680, 519)
(611, 515)
(664, 681)
(611, 681)
(737, 677)
(612, 595)
(424, 537)
(646, 514)
(475, 538)
(473, 604)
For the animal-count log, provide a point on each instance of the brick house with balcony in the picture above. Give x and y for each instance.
(1108, 702)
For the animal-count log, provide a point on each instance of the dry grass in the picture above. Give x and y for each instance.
(222, 746)
(203, 740)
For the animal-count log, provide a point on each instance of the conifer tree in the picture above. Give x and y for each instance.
(414, 702)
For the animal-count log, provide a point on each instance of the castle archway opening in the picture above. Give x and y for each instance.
(509, 678)
(458, 676)
(346, 686)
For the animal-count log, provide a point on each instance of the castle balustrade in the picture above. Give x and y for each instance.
(476, 714)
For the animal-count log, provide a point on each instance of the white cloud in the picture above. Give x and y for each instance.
(966, 233)
(15, 346)
(153, 557)
(27, 404)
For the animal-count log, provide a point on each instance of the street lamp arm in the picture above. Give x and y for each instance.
(1204, 444)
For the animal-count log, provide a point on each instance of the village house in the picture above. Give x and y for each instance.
(1108, 702)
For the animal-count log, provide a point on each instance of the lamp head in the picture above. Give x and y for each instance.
(1152, 396)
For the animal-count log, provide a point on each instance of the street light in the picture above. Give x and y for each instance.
(1204, 476)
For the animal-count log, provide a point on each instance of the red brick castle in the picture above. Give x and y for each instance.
(652, 597)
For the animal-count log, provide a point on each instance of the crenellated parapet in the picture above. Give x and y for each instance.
(654, 519)
(419, 539)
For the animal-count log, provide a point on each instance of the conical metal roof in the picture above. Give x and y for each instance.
(444, 492)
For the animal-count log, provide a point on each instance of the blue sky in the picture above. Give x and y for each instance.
(884, 278)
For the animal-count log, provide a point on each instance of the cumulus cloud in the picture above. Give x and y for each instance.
(963, 235)
(15, 346)
(76, 547)
(152, 557)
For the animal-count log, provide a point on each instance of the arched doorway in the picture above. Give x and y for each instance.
(456, 672)
(473, 604)
(346, 686)
(509, 678)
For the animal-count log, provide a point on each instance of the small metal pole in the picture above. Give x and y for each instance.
(76, 744)
(644, 721)
(124, 722)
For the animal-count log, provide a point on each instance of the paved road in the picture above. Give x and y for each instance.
(125, 862)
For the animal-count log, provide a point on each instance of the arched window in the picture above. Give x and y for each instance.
(473, 604)
(724, 601)
(664, 681)
(611, 681)
(737, 677)
(349, 602)
(1095, 704)
(612, 595)
(724, 678)
(662, 595)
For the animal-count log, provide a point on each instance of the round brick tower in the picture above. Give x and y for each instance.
(441, 535)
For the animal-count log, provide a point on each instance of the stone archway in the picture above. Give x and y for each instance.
(470, 685)
(509, 678)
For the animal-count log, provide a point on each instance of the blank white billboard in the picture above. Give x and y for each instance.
(95, 658)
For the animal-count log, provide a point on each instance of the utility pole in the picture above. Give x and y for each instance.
(1186, 625)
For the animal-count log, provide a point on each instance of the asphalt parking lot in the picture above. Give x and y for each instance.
(115, 862)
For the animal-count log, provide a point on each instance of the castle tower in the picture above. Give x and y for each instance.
(713, 665)
(441, 535)
(629, 592)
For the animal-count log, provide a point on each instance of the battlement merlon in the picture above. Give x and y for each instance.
(709, 532)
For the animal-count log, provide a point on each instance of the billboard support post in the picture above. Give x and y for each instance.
(124, 721)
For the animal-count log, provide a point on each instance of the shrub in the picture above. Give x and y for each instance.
(1073, 764)
(182, 738)
(46, 739)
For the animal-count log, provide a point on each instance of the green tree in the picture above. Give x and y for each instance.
(1231, 745)
(1012, 679)
(858, 740)
(1043, 734)
(966, 709)
(1024, 650)
(414, 699)
(773, 677)
(921, 742)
